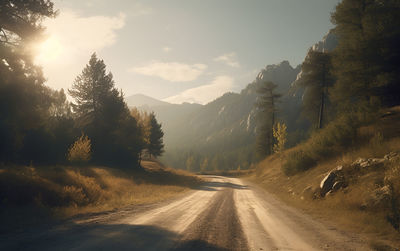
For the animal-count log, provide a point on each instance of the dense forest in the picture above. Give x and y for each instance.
(39, 126)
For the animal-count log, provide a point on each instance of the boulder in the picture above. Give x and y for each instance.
(338, 185)
(327, 182)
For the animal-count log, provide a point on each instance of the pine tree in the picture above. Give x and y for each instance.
(24, 100)
(266, 105)
(155, 146)
(91, 90)
(104, 116)
(316, 80)
(367, 59)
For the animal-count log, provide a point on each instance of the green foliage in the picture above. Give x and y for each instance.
(366, 67)
(367, 59)
(280, 134)
(332, 140)
(104, 116)
(316, 78)
(80, 152)
(30, 112)
(155, 145)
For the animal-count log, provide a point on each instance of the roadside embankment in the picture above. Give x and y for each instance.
(31, 195)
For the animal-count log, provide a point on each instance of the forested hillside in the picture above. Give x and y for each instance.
(220, 135)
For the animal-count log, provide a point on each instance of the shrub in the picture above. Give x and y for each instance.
(280, 134)
(298, 161)
(74, 196)
(327, 142)
(80, 151)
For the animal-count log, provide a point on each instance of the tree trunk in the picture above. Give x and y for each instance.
(321, 110)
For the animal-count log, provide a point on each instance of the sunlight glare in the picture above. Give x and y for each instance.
(49, 51)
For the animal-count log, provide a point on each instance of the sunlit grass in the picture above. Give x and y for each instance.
(345, 206)
(65, 191)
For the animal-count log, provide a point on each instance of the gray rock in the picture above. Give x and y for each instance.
(327, 183)
(367, 163)
(338, 185)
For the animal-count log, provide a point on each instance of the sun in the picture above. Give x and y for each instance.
(49, 51)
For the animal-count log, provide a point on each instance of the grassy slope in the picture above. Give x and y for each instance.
(31, 194)
(343, 208)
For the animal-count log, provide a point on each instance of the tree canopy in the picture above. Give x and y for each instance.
(103, 115)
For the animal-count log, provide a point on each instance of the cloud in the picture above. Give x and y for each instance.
(85, 33)
(167, 49)
(172, 71)
(205, 93)
(140, 10)
(229, 59)
(71, 39)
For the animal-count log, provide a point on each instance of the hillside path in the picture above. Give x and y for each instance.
(223, 214)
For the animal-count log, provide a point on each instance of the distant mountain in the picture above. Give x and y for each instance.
(223, 129)
(327, 44)
(221, 134)
(138, 100)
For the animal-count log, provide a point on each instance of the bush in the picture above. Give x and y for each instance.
(80, 151)
(332, 140)
(298, 161)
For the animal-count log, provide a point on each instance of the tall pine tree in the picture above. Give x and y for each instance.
(104, 116)
(155, 145)
(316, 79)
(266, 105)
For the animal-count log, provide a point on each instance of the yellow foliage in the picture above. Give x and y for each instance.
(80, 151)
(280, 134)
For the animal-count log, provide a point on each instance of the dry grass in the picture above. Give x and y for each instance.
(346, 205)
(63, 191)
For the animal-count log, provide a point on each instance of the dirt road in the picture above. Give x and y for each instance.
(224, 214)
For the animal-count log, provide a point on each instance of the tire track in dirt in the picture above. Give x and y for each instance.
(216, 228)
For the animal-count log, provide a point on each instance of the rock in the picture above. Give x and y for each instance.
(390, 156)
(338, 185)
(358, 161)
(367, 163)
(327, 183)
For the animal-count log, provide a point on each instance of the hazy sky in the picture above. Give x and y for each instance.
(180, 51)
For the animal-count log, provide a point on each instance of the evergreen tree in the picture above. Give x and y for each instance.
(91, 91)
(266, 105)
(24, 100)
(104, 116)
(316, 79)
(367, 59)
(155, 146)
